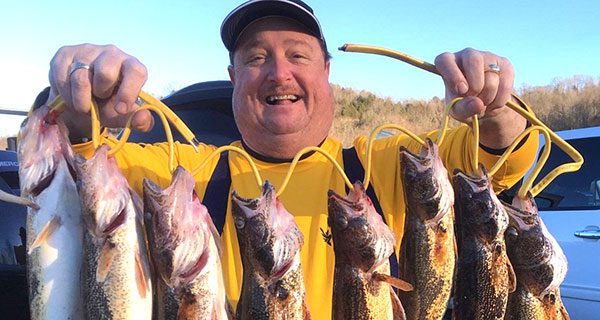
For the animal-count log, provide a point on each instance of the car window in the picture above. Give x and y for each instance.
(574, 190)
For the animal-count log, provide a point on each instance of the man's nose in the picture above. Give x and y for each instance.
(280, 69)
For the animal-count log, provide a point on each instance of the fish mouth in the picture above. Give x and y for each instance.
(344, 201)
(422, 161)
(42, 146)
(250, 206)
(471, 183)
(521, 220)
(351, 205)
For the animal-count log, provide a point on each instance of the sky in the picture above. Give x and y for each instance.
(179, 41)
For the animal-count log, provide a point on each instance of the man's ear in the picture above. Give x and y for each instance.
(327, 67)
(231, 72)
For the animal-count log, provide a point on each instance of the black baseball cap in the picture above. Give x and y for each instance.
(250, 11)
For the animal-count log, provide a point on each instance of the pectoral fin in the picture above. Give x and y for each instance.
(397, 307)
(512, 277)
(105, 259)
(392, 281)
(140, 276)
(563, 312)
(47, 231)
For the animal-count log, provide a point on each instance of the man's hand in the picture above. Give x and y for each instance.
(114, 79)
(470, 74)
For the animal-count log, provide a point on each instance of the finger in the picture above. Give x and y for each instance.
(466, 108)
(134, 76)
(58, 74)
(142, 121)
(80, 83)
(471, 62)
(490, 87)
(455, 82)
(107, 68)
(505, 85)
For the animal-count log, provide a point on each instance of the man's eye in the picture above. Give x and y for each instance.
(256, 59)
(300, 56)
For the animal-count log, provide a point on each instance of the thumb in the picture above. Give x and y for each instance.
(466, 108)
(142, 121)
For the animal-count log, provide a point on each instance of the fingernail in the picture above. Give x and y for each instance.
(461, 88)
(121, 108)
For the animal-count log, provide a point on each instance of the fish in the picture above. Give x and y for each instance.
(539, 263)
(54, 224)
(428, 249)
(362, 245)
(270, 242)
(484, 274)
(116, 271)
(185, 248)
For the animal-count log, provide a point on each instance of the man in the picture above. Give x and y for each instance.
(282, 102)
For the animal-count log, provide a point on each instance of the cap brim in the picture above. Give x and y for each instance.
(235, 23)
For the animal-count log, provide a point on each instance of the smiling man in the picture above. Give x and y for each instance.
(282, 102)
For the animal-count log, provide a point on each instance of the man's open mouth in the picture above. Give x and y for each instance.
(282, 99)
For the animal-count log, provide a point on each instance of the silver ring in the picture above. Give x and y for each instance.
(492, 67)
(76, 65)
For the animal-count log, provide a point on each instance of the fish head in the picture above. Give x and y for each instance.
(482, 212)
(268, 236)
(526, 243)
(183, 237)
(426, 181)
(539, 262)
(360, 236)
(43, 143)
(104, 193)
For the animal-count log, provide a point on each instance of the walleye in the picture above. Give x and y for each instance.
(116, 271)
(185, 249)
(54, 229)
(484, 274)
(539, 263)
(362, 243)
(428, 250)
(270, 243)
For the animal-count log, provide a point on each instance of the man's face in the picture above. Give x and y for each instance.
(281, 86)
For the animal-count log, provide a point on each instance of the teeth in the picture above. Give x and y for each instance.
(272, 99)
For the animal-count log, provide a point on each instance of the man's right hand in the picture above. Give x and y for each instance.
(114, 80)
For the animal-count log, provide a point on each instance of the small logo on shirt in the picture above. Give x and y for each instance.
(326, 236)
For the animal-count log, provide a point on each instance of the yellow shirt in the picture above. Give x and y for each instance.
(305, 197)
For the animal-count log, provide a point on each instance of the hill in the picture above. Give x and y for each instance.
(564, 104)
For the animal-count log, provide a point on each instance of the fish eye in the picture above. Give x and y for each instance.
(512, 233)
(240, 222)
(341, 222)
